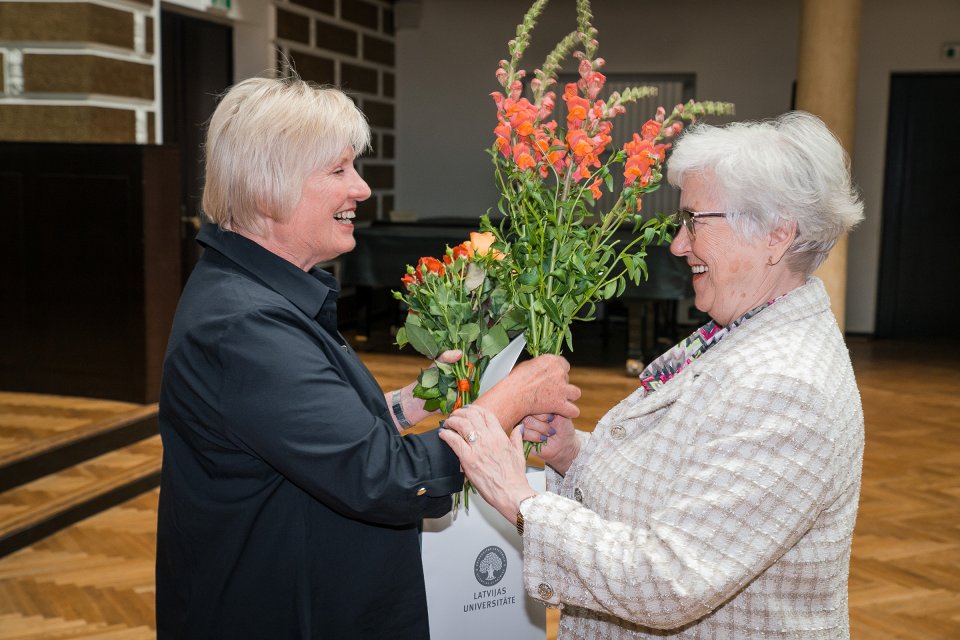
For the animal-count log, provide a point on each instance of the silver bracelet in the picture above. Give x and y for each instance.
(397, 409)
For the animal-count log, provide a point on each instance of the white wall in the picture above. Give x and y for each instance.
(445, 73)
(744, 52)
(254, 53)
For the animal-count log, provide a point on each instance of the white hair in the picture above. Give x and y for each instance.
(788, 170)
(265, 138)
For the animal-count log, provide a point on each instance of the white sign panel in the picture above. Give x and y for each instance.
(473, 566)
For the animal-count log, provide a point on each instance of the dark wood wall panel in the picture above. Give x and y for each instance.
(90, 268)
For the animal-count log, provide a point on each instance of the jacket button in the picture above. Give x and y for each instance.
(618, 432)
(421, 491)
(545, 591)
(577, 494)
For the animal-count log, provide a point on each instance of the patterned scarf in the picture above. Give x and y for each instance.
(672, 362)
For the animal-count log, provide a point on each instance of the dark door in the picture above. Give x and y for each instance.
(917, 294)
(197, 67)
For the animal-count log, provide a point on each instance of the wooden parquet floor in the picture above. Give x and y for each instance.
(46, 496)
(95, 578)
(28, 421)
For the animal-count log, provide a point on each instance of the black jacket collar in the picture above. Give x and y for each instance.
(309, 291)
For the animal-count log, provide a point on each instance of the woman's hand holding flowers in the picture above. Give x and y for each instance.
(560, 445)
(537, 386)
(493, 462)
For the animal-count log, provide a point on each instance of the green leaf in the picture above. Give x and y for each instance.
(429, 377)
(469, 332)
(610, 289)
(422, 341)
(402, 337)
(494, 341)
(529, 278)
(552, 311)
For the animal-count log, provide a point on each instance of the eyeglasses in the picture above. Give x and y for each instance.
(688, 219)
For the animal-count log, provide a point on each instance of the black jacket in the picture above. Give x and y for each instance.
(289, 504)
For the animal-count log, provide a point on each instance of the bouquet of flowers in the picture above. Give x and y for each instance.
(561, 255)
(553, 256)
(454, 303)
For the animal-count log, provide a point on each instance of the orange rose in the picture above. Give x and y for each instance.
(430, 265)
(463, 250)
(481, 242)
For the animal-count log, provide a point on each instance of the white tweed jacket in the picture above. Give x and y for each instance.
(720, 506)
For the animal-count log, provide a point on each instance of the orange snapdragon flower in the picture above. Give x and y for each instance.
(521, 115)
(595, 189)
(577, 107)
(592, 84)
(522, 157)
(502, 131)
(651, 129)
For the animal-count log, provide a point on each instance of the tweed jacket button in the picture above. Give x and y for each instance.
(545, 591)
(577, 494)
(618, 432)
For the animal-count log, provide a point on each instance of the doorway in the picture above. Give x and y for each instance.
(197, 67)
(919, 258)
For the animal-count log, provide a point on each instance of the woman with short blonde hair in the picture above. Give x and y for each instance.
(265, 138)
(289, 502)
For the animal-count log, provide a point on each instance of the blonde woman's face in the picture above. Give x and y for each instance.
(321, 226)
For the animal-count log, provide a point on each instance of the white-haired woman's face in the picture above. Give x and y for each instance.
(321, 226)
(730, 275)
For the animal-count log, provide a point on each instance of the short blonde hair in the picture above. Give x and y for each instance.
(265, 138)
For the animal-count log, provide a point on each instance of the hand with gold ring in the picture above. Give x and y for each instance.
(491, 460)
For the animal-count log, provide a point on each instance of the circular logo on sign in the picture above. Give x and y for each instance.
(490, 566)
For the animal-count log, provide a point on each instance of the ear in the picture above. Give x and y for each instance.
(781, 239)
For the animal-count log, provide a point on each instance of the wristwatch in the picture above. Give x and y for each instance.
(520, 516)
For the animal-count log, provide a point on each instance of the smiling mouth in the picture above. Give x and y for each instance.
(345, 217)
(699, 268)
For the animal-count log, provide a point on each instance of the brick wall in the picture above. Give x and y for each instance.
(350, 44)
(79, 71)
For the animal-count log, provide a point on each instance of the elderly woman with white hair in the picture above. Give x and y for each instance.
(289, 502)
(718, 500)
